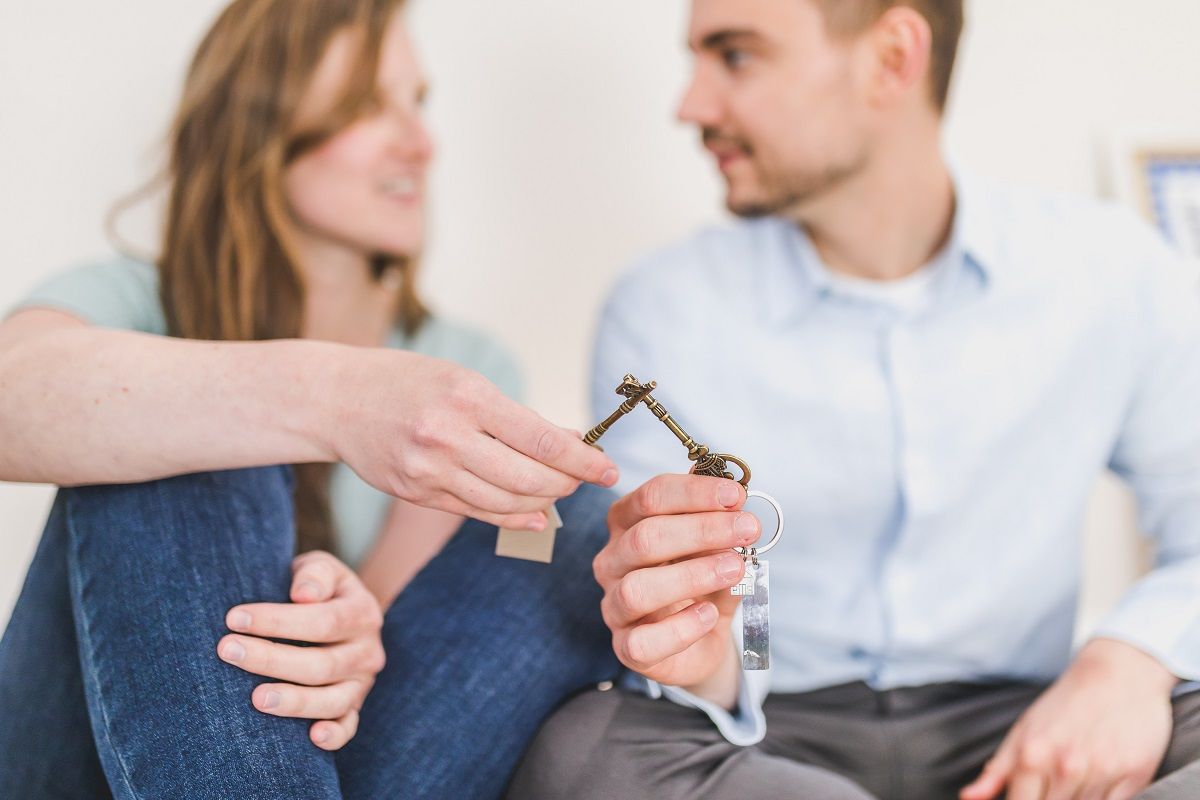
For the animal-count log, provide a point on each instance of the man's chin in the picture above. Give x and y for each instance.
(752, 208)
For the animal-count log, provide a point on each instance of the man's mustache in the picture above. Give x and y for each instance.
(711, 137)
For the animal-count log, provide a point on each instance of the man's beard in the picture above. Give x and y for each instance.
(783, 192)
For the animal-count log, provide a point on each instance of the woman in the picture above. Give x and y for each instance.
(286, 283)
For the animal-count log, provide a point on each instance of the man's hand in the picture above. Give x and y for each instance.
(666, 574)
(331, 607)
(1099, 732)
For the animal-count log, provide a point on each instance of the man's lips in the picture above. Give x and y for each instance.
(727, 156)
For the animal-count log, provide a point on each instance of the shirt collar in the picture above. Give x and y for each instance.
(798, 279)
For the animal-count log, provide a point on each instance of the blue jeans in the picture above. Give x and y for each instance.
(110, 685)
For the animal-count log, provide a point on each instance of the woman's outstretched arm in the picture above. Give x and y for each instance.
(85, 405)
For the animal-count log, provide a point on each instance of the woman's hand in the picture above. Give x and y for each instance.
(442, 436)
(331, 608)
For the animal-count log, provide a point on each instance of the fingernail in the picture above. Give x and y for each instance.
(730, 566)
(729, 494)
(610, 477)
(746, 527)
(307, 589)
(239, 621)
(537, 525)
(271, 700)
(322, 736)
(707, 613)
(233, 652)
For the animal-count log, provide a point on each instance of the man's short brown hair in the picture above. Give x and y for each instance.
(945, 19)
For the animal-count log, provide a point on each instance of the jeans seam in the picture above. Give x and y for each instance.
(88, 661)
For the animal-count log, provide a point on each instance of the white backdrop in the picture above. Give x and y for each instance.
(560, 160)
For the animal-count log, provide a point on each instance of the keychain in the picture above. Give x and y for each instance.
(754, 588)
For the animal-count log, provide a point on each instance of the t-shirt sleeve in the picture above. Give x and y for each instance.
(120, 294)
(473, 349)
(499, 366)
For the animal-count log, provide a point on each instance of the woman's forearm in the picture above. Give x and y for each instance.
(82, 405)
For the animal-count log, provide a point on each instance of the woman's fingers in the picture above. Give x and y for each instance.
(309, 702)
(334, 734)
(315, 576)
(338, 620)
(310, 666)
(535, 521)
(480, 494)
(525, 431)
(513, 472)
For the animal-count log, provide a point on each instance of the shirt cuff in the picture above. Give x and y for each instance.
(744, 726)
(1161, 617)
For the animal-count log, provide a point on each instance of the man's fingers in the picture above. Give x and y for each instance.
(498, 464)
(338, 620)
(646, 645)
(525, 431)
(1124, 790)
(675, 494)
(645, 591)
(659, 540)
(334, 734)
(1027, 786)
(315, 577)
(995, 774)
(310, 666)
(1067, 780)
(308, 702)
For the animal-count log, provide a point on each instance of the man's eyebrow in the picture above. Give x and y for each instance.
(728, 36)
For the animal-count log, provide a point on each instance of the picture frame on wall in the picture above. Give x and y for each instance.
(1160, 177)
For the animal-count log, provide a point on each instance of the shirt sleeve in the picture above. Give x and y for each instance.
(745, 726)
(620, 350)
(120, 294)
(1158, 454)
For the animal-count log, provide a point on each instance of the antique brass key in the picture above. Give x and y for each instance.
(706, 463)
(754, 587)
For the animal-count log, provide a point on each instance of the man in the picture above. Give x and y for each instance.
(929, 373)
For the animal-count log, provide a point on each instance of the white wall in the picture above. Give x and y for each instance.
(559, 157)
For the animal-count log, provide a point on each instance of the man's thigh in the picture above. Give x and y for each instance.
(618, 744)
(919, 743)
(1179, 775)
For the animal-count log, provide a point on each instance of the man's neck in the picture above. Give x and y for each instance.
(887, 221)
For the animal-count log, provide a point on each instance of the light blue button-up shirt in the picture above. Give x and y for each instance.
(933, 444)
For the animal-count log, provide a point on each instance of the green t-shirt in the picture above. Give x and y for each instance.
(123, 294)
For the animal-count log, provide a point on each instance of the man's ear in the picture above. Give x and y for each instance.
(901, 43)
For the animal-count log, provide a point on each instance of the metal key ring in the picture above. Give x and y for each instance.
(758, 551)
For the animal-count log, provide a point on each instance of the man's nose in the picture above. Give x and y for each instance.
(699, 105)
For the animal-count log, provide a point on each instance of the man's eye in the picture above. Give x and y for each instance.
(734, 58)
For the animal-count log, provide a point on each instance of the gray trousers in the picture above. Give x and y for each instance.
(842, 743)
